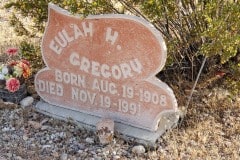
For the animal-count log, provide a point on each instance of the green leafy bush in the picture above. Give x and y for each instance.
(37, 10)
(196, 27)
(31, 52)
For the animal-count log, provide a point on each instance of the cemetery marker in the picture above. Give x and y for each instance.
(104, 66)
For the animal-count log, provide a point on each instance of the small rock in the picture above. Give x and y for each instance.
(53, 136)
(55, 154)
(19, 158)
(81, 146)
(25, 137)
(105, 130)
(8, 105)
(89, 140)
(228, 144)
(64, 156)
(45, 120)
(46, 146)
(34, 124)
(138, 149)
(93, 152)
(97, 158)
(62, 134)
(44, 128)
(80, 151)
(26, 102)
(33, 145)
(116, 157)
(31, 89)
(106, 152)
(6, 129)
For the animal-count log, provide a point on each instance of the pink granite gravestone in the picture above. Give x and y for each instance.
(104, 66)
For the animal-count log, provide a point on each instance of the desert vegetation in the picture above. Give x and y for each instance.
(203, 69)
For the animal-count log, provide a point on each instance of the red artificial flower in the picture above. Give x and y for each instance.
(13, 63)
(25, 69)
(12, 51)
(12, 84)
(25, 62)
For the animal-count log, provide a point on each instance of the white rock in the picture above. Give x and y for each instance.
(19, 158)
(80, 151)
(46, 146)
(90, 140)
(6, 129)
(138, 149)
(64, 156)
(44, 128)
(25, 137)
(116, 157)
(26, 102)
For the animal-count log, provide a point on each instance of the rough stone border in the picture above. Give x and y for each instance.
(89, 122)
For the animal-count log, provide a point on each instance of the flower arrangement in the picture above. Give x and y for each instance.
(14, 71)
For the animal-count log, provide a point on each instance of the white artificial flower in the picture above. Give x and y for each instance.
(5, 70)
(2, 76)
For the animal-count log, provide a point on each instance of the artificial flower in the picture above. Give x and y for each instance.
(25, 69)
(12, 51)
(25, 62)
(18, 71)
(2, 77)
(13, 63)
(26, 72)
(12, 84)
(5, 70)
(14, 71)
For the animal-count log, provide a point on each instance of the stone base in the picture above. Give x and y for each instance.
(89, 121)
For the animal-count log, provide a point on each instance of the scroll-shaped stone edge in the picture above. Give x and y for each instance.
(151, 79)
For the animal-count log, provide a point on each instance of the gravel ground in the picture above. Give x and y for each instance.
(26, 134)
(210, 130)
